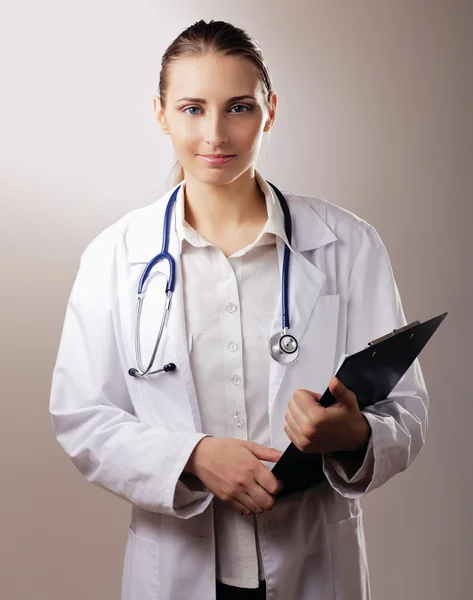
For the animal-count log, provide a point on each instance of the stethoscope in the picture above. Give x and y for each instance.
(283, 346)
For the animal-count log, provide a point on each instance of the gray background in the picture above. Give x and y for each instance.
(374, 114)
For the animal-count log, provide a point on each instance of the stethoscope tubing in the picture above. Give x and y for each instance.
(285, 268)
(164, 255)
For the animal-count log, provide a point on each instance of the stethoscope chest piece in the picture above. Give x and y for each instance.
(284, 348)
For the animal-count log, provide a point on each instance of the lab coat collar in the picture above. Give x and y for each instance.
(144, 235)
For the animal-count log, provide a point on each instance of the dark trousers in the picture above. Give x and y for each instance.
(228, 592)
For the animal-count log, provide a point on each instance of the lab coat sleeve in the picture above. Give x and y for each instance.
(92, 413)
(188, 489)
(398, 423)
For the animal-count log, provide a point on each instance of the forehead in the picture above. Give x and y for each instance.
(213, 77)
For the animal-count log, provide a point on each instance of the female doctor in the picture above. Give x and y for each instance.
(191, 447)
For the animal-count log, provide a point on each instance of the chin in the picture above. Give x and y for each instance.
(216, 175)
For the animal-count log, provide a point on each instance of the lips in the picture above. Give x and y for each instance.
(217, 155)
(217, 159)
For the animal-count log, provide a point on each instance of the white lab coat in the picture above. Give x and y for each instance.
(133, 436)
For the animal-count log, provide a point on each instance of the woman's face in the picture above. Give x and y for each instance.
(215, 105)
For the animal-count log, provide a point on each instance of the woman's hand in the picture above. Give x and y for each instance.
(232, 470)
(315, 429)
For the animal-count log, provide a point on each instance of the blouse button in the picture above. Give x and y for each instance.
(231, 308)
(232, 346)
(236, 379)
(239, 420)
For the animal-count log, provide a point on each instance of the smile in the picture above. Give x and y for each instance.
(217, 159)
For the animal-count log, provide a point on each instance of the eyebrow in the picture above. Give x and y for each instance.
(203, 101)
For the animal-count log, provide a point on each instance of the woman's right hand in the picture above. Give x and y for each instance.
(232, 471)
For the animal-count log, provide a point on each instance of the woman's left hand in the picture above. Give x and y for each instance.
(315, 429)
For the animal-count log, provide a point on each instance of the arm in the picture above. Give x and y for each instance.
(91, 409)
(398, 424)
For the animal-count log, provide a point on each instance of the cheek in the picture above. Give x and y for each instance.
(249, 134)
(184, 137)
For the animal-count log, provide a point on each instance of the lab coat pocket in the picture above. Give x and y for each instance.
(187, 561)
(349, 561)
(141, 569)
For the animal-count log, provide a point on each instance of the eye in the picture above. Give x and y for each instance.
(241, 106)
(191, 108)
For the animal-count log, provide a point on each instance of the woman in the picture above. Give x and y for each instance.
(192, 449)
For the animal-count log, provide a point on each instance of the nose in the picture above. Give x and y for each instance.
(215, 131)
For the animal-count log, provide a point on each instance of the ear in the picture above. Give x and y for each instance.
(159, 113)
(273, 101)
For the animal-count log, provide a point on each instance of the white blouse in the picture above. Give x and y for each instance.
(229, 305)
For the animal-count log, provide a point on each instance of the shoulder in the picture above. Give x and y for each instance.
(349, 228)
(115, 238)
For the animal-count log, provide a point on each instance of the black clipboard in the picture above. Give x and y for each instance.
(372, 374)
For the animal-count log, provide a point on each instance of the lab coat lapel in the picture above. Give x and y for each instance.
(144, 241)
(305, 281)
(176, 328)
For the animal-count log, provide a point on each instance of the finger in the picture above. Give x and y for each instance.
(294, 423)
(295, 434)
(250, 503)
(341, 392)
(295, 409)
(305, 407)
(313, 395)
(241, 508)
(268, 481)
(263, 452)
(261, 497)
(288, 431)
(293, 437)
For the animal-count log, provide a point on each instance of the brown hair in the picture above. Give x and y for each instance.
(218, 37)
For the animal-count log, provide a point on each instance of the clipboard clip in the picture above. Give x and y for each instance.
(395, 331)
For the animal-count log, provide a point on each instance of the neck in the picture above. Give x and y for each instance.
(216, 208)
